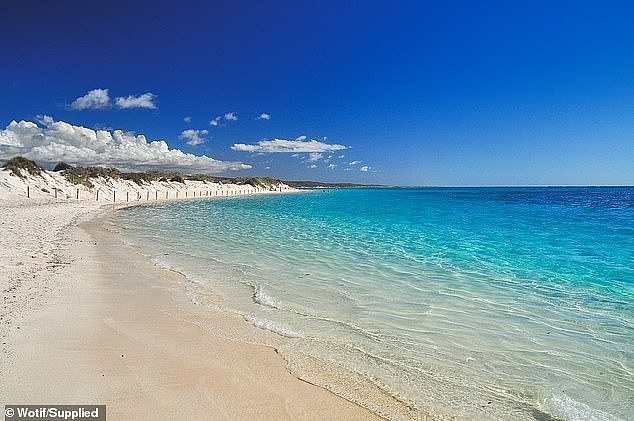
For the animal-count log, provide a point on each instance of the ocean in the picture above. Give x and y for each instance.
(476, 302)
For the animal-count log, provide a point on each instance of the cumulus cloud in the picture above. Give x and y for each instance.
(365, 168)
(187, 119)
(61, 141)
(302, 137)
(99, 98)
(142, 101)
(313, 166)
(354, 163)
(315, 156)
(263, 116)
(227, 117)
(331, 166)
(95, 99)
(287, 146)
(194, 137)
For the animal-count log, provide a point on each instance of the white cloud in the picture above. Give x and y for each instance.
(315, 156)
(365, 168)
(302, 137)
(187, 119)
(99, 98)
(341, 156)
(263, 116)
(313, 166)
(142, 101)
(95, 99)
(194, 137)
(354, 163)
(331, 166)
(287, 146)
(227, 117)
(45, 120)
(61, 141)
(267, 168)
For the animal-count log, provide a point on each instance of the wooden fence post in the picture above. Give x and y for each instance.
(77, 194)
(97, 195)
(55, 192)
(114, 195)
(127, 196)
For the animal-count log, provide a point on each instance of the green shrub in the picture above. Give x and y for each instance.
(138, 177)
(19, 163)
(82, 175)
(203, 177)
(62, 166)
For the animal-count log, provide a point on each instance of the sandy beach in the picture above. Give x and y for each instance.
(86, 320)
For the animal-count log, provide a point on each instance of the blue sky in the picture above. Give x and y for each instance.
(419, 93)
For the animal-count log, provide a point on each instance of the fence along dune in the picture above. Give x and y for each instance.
(27, 178)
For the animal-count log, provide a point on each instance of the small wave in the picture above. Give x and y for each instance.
(270, 325)
(568, 408)
(159, 263)
(260, 297)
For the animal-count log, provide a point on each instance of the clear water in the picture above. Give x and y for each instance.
(469, 301)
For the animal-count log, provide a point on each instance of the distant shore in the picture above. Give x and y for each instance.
(87, 320)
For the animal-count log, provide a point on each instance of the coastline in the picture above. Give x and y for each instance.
(106, 326)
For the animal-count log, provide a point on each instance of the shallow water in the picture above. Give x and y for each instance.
(457, 299)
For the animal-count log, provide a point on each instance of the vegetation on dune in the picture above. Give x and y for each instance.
(83, 175)
(257, 181)
(253, 181)
(19, 163)
(202, 177)
(147, 177)
(61, 166)
(138, 177)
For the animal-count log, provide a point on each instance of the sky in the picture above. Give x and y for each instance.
(399, 93)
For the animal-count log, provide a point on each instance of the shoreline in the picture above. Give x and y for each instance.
(242, 328)
(82, 332)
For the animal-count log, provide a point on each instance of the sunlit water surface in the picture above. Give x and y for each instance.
(456, 298)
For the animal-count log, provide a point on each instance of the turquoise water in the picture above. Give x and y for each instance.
(480, 302)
